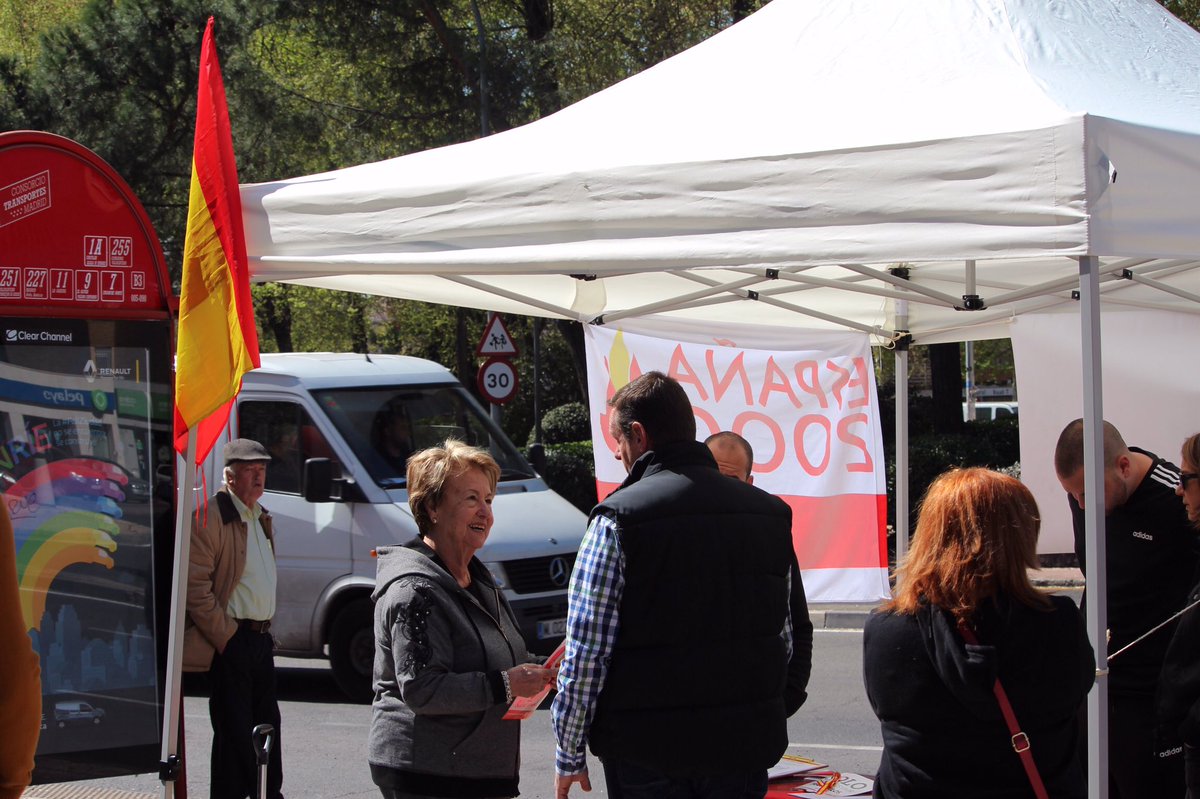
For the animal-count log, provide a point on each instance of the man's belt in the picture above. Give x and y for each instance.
(253, 625)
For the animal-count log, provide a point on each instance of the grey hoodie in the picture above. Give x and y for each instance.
(437, 724)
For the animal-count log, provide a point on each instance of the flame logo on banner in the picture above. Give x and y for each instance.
(621, 370)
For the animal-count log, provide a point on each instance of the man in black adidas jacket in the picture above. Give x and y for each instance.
(1151, 559)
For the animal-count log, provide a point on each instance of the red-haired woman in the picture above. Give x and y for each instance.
(965, 577)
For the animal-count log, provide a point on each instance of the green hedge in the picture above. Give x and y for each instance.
(993, 444)
(564, 424)
(570, 471)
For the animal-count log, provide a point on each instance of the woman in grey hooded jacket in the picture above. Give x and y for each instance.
(448, 654)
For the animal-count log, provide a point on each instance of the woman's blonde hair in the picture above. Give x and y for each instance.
(976, 537)
(430, 469)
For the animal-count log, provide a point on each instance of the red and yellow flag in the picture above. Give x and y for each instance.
(217, 339)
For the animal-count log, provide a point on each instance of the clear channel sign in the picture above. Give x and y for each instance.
(497, 380)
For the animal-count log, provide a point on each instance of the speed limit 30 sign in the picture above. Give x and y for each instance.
(497, 380)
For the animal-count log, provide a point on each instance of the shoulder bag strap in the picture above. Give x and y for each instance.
(1020, 741)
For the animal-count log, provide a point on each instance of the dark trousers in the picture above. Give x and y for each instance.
(1191, 767)
(1133, 769)
(242, 684)
(628, 781)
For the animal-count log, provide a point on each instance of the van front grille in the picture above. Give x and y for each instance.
(534, 575)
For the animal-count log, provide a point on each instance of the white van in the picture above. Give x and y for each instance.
(989, 411)
(340, 427)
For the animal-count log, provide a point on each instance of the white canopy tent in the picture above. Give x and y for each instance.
(796, 155)
(1004, 153)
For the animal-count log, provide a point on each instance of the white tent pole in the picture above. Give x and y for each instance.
(761, 295)
(1093, 488)
(902, 282)
(555, 310)
(902, 430)
(970, 347)
(683, 299)
(1169, 289)
(168, 767)
(837, 320)
(820, 282)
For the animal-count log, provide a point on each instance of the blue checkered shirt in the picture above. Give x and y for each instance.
(594, 598)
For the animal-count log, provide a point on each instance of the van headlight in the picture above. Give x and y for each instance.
(497, 572)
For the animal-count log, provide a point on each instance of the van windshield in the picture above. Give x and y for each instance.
(384, 426)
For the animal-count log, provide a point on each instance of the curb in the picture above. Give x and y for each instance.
(854, 617)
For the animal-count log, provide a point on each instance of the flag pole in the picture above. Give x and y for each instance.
(170, 762)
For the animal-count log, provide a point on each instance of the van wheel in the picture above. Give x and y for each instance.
(352, 650)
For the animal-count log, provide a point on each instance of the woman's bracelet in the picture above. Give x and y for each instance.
(508, 696)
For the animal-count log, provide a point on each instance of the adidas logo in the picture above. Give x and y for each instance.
(1143, 536)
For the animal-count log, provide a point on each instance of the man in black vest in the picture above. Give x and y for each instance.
(678, 629)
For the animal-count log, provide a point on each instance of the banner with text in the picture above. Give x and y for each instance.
(812, 418)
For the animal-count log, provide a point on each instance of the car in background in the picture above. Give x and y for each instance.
(989, 411)
(76, 712)
(137, 490)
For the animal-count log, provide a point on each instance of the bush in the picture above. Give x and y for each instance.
(571, 472)
(565, 423)
(992, 444)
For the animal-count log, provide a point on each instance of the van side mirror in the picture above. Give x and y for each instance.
(537, 457)
(318, 480)
(324, 481)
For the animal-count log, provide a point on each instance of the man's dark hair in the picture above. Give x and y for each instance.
(660, 404)
(1068, 452)
(728, 437)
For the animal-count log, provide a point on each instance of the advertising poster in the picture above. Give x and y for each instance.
(811, 415)
(85, 471)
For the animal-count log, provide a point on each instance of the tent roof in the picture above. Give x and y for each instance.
(792, 159)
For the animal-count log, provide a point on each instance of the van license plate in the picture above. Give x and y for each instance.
(555, 628)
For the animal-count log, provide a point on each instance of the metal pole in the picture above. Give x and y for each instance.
(970, 349)
(970, 380)
(1093, 514)
(537, 382)
(173, 696)
(496, 412)
(902, 500)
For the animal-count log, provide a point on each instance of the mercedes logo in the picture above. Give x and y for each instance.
(559, 573)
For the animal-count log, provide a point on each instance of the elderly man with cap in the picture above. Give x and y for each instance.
(230, 602)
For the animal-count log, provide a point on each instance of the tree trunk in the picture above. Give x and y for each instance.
(360, 339)
(464, 362)
(945, 368)
(572, 333)
(277, 316)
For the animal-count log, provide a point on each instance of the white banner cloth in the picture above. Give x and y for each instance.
(812, 417)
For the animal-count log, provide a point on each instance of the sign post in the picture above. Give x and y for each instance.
(497, 378)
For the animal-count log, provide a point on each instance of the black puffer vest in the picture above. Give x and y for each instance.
(698, 669)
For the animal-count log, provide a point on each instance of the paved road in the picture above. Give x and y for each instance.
(325, 736)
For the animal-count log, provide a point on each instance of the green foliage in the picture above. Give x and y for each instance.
(569, 422)
(571, 471)
(1186, 10)
(22, 22)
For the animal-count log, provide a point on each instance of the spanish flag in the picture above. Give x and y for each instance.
(217, 339)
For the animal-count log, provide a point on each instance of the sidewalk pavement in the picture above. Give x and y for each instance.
(852, 616)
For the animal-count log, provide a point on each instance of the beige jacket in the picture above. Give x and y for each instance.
(217, 560)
